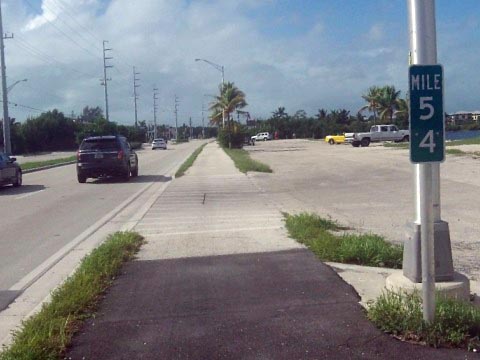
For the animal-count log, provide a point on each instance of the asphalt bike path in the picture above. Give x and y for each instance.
(220, 279)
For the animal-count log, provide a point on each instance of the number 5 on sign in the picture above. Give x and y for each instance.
(425, 105)
(427, 128)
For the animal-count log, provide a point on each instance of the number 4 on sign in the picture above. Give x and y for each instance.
(428, 142)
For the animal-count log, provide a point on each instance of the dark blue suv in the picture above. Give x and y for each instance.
(106, 156)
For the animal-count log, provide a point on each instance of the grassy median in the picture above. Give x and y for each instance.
(47, 334)
(245, 163)
(38, 164)
(189, 162)
(456, 323)
(322, 238)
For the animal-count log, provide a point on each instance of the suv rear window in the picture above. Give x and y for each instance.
(99, 144)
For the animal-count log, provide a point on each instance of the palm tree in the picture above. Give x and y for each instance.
(402, 112)
(372, 98)
(387, 102)
(229, 100)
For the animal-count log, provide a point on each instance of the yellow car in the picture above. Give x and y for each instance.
(335, 139)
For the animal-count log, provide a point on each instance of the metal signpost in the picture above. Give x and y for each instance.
(426, 136)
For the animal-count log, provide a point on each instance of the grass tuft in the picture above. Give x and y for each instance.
(245, 163)
(189, 162)
(38, 164)
(47, 334)
(318, 234)
(455, 152)
(456, 323)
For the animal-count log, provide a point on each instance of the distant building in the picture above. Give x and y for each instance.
(463, 117)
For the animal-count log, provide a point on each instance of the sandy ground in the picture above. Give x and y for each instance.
(371, 189)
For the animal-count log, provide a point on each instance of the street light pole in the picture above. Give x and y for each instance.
(15, 83)
(220, 68)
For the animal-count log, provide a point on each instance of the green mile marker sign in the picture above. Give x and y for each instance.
(427, 123)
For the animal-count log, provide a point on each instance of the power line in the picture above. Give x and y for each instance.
(25, 106)
(58, 16)
(61, 31)
(24, 45)
(71, 14)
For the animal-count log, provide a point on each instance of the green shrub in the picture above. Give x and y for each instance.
(366, 249)
(236, 135)
(457, 323)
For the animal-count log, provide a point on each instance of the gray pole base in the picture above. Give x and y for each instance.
(457, 288)
(412, 264)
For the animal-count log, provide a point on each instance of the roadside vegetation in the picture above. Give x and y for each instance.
(38, 164)
(456, 323)
(324, 238)
(47, 334)
(245, 163)
(189, 162)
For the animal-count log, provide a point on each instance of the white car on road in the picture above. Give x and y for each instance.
(159, 144)
(262, 136)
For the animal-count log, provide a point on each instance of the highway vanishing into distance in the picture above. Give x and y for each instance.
(52, 208)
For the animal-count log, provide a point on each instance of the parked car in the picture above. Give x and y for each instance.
(10, 171)
(335, 139)
(159, 144)
(378, 133)
(262, 136)
(106, 156)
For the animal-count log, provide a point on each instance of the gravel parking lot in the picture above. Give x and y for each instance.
(371, 189)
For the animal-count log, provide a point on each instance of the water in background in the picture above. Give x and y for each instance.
(462, 134)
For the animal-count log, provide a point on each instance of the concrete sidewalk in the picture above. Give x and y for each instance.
(219, 278)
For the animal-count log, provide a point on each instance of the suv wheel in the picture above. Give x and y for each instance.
(126, 175)
(81, 178)
(18, 179)
(135, 172)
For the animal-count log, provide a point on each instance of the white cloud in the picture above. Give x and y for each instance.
(376, 32)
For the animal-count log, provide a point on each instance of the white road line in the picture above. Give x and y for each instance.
(29, 194)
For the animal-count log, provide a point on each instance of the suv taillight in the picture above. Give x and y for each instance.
(78, 155)
(120, 155)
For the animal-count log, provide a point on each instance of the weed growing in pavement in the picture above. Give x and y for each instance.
(47, 334)
(318, 235)
(456, 152)
(189, 162)
(457, 323)
(245, 163)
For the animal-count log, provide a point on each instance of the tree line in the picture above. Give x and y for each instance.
(54, 131)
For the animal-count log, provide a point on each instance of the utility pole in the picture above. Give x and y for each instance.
(105, 79)
(203, 121)
(155, 108)
(176, 117)
(7, 146)
(135, 96)
(191, 130)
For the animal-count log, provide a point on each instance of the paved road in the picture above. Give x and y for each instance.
(51, 209)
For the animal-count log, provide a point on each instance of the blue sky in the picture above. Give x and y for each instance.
(297, 54)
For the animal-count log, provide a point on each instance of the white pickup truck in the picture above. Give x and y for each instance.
(377, 133)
